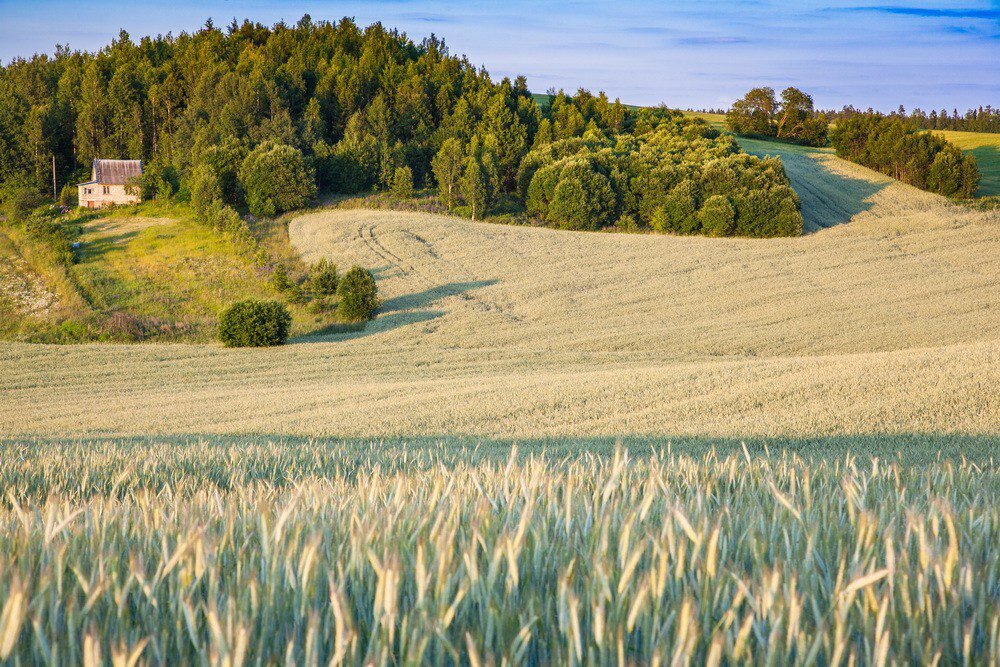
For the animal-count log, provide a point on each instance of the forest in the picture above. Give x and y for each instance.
(681, 176)
(261, 120)
(896, 147)
(981, 119)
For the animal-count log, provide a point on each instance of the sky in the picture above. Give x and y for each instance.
(698, 54)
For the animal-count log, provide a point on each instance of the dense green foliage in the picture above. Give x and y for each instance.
(982, 119)
(356, 104)
(793, 118)
(200, 551)
(323, 278)
(358, 295)
(254, 323)
(276, 179)
(260, 119)
(662, 179)
(895, 147)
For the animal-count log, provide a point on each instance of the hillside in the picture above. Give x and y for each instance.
(883, 320)
(986, 147)
(145, 273)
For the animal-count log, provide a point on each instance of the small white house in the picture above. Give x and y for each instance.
(107, 184)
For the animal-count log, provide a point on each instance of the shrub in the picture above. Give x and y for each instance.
(206, 188)
(583, 199)
(223, 161)
(276, 179)
(679, 208)
(323, 278)
(69, 196)
(626, 223)
(358, 295)
(280, 280)
(717, 216)
(253, 323)
(20, 202)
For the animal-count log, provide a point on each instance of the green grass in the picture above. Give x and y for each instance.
(985, 147)
(152, 269)
(174, 271)
(257, 551)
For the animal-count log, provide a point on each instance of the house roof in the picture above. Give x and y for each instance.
(116, 172)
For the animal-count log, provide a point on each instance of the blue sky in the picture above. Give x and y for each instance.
(687, 54)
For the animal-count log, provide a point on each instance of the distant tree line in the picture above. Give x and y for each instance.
(982, 119)
(262, 119)
(793, 118)
(896, 147)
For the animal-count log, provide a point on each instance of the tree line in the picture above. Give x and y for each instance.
(981, 119)
(892, 144)
(896, 147)
(793, 118)
(261, 119)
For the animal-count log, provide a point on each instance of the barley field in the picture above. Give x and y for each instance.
(882, 320)
(208, 553)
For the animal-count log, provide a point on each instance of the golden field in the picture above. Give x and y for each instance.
(882, 319)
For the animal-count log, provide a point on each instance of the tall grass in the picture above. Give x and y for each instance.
(307, 554)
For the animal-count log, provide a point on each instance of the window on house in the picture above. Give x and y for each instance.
(107, 189)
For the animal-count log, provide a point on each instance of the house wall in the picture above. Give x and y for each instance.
(92, 195)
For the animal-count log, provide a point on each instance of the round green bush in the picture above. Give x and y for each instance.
(276, 179)
(358, 295)
(717, 216)
(253, 323)
(323, 277)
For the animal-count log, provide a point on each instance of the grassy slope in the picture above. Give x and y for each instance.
(156, 265)
(986, 148)
(983, 145)
(887, 325)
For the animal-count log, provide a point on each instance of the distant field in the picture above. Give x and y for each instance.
(883, 320)
(986, 147)
(716, 120)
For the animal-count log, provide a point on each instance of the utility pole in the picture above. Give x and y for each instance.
(55, 195)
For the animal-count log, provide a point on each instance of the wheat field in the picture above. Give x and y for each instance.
(882, 319)
(266, 554)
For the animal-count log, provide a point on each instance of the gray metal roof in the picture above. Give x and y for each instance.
(116, 172)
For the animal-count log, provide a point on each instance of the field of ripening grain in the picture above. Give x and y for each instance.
(883, 319)
(155, 508)
(262, 554)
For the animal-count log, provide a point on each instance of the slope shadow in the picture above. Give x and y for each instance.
(396, 312)
(828, 199)
(102, 245)
(429, 296)
(382, 323)
(988, 161)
